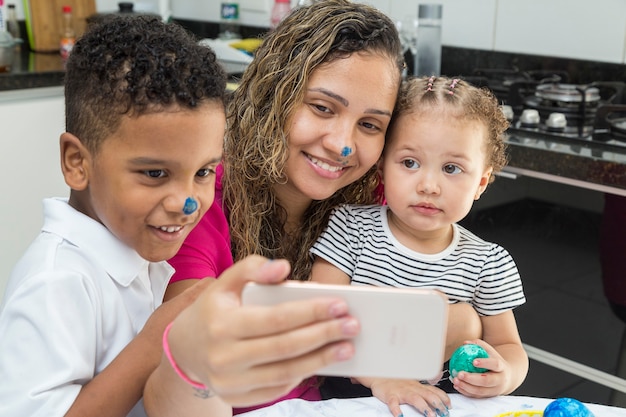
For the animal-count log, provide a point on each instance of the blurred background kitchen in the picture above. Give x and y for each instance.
(550, 208)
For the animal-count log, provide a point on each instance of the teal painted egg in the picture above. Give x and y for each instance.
(463, 357)
(566, 407)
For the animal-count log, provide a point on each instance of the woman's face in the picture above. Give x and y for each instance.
(338, 131)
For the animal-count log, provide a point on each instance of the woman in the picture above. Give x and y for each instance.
(305, 128)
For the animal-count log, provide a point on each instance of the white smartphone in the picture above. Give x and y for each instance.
(403, 331)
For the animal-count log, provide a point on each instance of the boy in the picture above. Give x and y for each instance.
(144, 133)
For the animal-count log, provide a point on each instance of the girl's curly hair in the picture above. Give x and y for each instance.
(458, 100)
(259, 117)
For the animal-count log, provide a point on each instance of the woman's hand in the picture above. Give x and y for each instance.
(253, 354)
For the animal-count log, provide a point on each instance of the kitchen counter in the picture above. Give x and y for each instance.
(32, 70)
(586, 164)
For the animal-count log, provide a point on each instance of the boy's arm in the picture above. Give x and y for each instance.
(115, 390)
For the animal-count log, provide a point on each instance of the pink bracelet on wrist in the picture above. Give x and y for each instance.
(170, 358)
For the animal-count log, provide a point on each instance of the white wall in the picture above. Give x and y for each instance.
(32, 121)
(579, 29)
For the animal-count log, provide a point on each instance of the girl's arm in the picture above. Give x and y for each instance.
(327, 273)
(464, 323)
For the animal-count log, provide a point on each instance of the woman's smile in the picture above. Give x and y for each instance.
(325, 167)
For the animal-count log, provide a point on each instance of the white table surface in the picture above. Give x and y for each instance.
(372, 407)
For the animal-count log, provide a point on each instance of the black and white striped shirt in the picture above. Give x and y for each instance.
(358, 241)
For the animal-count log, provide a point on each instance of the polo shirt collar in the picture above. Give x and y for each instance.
(120, 261)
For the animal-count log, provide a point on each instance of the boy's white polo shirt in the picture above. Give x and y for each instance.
(73, 302)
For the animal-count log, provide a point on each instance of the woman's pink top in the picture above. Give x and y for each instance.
(206, 253)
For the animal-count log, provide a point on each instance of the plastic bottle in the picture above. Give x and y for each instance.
(303, 3)
(3, 27)
(68, 35)
(428, 56)
(13, 26)
(280, 9)
(165, 10)
(229, 23)
(6, 42)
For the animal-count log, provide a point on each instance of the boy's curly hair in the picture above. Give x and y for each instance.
(260, 114)
(133, 65)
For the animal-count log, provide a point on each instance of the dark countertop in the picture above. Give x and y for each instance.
(32, 70)
(586, 164)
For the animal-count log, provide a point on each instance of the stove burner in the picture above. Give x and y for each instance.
(568, 93)
(619, 126)
(576, 102)
(500, 80)
(568, 131)
(610, 123)
(567, 112)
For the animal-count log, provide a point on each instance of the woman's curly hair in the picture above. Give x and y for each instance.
(133, 65)
(259, 117)
(457, 100)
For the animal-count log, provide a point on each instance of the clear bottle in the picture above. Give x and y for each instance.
(68, 34)
(3, 27)
(280, 9)
(303, 3)
(229, 22)
(428, 54)
(13, 26)
(6, 41)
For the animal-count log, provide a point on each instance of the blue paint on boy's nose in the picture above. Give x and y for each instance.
(346, 151)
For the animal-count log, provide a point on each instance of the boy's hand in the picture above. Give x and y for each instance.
(429, 401)
(488, 384)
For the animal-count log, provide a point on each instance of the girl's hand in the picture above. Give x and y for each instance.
(488, 384)
(429, 401)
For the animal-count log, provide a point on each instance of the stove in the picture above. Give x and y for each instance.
(545, 105)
